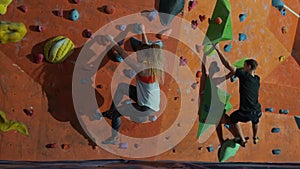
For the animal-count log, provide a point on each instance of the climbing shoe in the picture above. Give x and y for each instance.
(255, 140)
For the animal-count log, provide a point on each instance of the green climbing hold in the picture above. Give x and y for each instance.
(6, 125)
(228, 149)
(220, 32)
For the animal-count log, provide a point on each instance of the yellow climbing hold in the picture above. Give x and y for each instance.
(6, 125)
(58, 49)
(11, 32)
(282, 58)
(3, 6)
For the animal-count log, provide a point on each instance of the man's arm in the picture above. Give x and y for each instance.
(224, 61)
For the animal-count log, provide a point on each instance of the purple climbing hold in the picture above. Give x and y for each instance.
(195, 24)
(182, 61)
(123, 145)
(123, 27)
(152, 15)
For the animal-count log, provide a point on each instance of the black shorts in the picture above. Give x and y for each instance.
(241, 116)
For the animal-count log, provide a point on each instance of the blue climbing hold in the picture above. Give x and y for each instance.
(297, 119)
(227, 126)
(121, 42)
(276, 151)
(210, 149)
(283, 12)
(275, 130)
(123, 145)
(269, 109)
(282, 111)
(118, 57)
(242, 37)
(74, 15)
(242, 17)
(233, 78)
(227, 48)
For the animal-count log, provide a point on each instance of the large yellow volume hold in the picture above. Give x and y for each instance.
(3, 6)
(11, 32)
(58, 49)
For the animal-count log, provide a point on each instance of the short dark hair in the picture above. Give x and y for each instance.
(253, 63)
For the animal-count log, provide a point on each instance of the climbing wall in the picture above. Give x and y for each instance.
(47, 88)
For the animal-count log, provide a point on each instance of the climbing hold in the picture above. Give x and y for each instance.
(59, 13)
(242, 17)
(198, 74)
(282, 58)
(136, 145)
(218, 20)
(123, 145)
(110, 9)
(202, 18)
(23, 8)
(275, 130)
(65, 146)
(242, 37)
(233, 78)
(152, 15)
(269, 109)
(228, 149)
(3, 6)
(282, 111)
(210, 149)
(76, 1)
(118, 57)
(284, 29)
(87, 33)
(99, 86)
(38, 58)
(58, 49)
(11, 32)
(152, 118)
(194, 24)
(176, 98)
(182, 61)
(41, 28)
(227, 47)
(74, 15)
(121, 42)
(163, 35)
(283, 12)
(192, 4)
(199, 48)
(28, 112)
(227, 126)
(297, 119)
(130, 73)
(122, 27)
(194, 85)
(276, 151)
(52, 145)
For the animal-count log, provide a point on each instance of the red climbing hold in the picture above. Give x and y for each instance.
(202, 18)
(23, 8)
(218, 21)
(198, 74)
(38, 58)
(110, 9)
(192, 4)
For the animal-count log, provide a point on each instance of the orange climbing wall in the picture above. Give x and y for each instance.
(47, 87)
